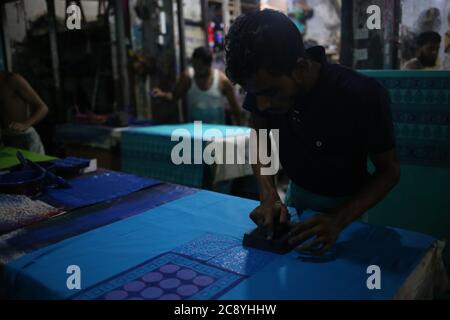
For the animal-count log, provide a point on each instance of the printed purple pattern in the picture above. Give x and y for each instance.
(204, 268)
(167, 277)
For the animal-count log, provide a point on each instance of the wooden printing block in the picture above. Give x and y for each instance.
(257, 238)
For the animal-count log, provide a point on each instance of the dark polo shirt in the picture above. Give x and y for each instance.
(326, 138)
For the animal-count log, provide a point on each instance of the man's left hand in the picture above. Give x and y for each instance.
(323, 227)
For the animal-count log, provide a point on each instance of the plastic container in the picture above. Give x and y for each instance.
(26, 182)
(48, 165)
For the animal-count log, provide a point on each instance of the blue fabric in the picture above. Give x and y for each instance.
(226, 252)
(71, 162)
(83, 220)
(147, 151)
(112, 249)
(167, 130)
(302, 199)
(97, 136)
(95, 188)
(207, 115)
(219, 257)
(91, 135)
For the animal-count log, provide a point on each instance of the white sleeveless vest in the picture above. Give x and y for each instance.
(205, 105)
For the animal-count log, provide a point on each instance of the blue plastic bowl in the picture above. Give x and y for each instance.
(28, 182)
(49, 166)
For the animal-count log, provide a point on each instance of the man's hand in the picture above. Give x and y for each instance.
(18, 126)
(268, 214)
(324, 227)
(158, 93)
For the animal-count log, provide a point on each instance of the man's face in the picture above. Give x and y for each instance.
(274, 93)
(201, 69)
(428, 53)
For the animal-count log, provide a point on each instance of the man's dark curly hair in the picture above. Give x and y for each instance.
(202, 54)
(265, 39)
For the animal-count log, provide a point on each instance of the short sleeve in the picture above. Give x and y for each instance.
(251, 105)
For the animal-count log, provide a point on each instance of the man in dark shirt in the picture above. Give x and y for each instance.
(331, 120)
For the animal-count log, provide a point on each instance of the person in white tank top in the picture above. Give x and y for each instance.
(206, 89)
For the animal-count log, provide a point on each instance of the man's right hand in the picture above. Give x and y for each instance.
(268, 214)
(158, 93)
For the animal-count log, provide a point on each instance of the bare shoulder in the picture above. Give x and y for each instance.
(8, 81)
(17, 81)
(222, 76)
(224, 82)
(412, 64)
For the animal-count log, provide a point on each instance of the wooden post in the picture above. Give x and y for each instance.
(180, 18)
(346, 52)
(122, 56)
(226, 15)
(183, 63)
(52, 33)
(391, 21)
(5, 45)
(204, 4)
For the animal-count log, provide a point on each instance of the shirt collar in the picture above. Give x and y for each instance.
(317, 53)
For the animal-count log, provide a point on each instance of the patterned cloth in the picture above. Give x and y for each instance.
(420, 102)
(25, 240)
(147, 152)
(17, 211)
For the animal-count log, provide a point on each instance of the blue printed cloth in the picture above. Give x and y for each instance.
(147, 151)
(178, 229)
(82, 220)
(166, 277)
(95, 188)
